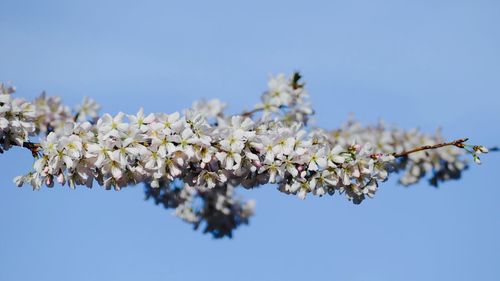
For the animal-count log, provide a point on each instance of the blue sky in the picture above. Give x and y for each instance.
(420, 64)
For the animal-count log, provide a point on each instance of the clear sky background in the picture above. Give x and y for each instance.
(414, 63)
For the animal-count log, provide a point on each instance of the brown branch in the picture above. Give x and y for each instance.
(33, 147)
(251, 112)
(75, 118)
(457, 143)
(259, 109)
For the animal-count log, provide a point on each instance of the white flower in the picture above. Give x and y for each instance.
(99, 152)
(50, 144)
(334, 156)
(317, 160)
(290, 164)
(284, 145)
(110, 126)
(209, 109)
(185, 142)
(480, 149)
(230, 160)
(72, 146)
(235, 142)
(279, 92)
(273, 168)
(210, 179)
(140, 121)
(88, 109)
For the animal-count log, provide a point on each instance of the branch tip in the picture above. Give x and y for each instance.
(458, 143)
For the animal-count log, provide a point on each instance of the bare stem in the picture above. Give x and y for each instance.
(259, 109)
(457, 143)
(251, 112)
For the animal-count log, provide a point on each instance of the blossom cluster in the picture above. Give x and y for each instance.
(51, 115)
(286, 93)
(217, 209)
(163, 147)
(442, 164)
(202, 154)
(16, 119)
(20, 119)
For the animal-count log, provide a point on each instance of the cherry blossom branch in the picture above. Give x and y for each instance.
(460, 143)
(205, 154)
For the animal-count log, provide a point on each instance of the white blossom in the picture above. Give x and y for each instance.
(88, 109)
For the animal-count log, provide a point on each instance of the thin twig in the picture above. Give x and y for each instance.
(259, 109)
(251, 112)
(458, 143)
